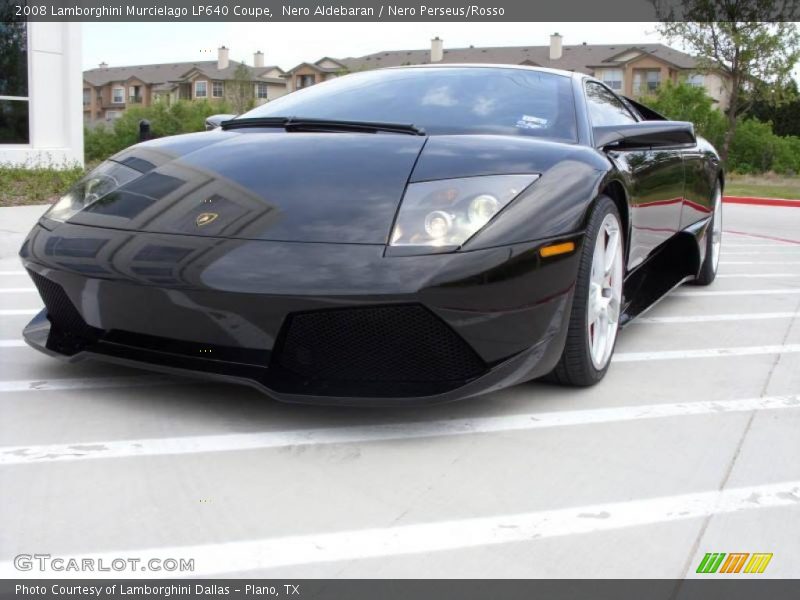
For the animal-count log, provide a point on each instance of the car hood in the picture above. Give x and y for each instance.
(300, 187)
(305, 187)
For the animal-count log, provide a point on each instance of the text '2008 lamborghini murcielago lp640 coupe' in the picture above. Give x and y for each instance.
(409, 234)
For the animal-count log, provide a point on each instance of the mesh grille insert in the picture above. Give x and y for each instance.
(383, 344)
(60, 310)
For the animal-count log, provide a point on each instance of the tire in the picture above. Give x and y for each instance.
(580, 363)
(708, 272)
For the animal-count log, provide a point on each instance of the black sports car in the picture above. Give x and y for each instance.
(418, 233)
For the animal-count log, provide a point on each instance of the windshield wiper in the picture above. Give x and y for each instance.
(329, 125)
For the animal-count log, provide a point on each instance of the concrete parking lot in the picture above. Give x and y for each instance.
(689, 446)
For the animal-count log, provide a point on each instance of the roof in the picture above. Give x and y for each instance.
(166, 72)
(580, 58)
(316, 66)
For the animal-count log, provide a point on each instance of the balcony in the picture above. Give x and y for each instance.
(135, 99)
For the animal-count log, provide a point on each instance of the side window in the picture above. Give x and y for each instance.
(605, 108)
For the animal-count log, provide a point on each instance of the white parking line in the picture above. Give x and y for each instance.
(237, 442)
(12, 344)
(418, 538)
(10, 312)
(785, 251)
(770, 292)
(704, 353)
(722, 317)
(88, 383)
(759, 262)
(755, 275)
(757, 245)
(16, 290)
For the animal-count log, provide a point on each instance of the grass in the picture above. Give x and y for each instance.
(766, 185)
(39, 185)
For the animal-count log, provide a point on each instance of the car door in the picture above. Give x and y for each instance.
(655, 177)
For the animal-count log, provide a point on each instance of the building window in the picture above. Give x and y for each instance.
(646, 81)
(113, 114)
(200, 89)
(217, 89)
(696, 80)
(612, 78)
(305, 81)
(261, 90)
(87, 96)
(14, 102)
(118, 95)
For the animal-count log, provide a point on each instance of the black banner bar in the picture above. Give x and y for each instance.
(713, 588)
(391, 11)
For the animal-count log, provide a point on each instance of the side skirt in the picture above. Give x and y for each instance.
(676, 261)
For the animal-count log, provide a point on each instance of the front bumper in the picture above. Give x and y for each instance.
(318, 323)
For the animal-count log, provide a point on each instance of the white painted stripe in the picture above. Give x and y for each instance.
(236, 442)
(16, 290)
(722, 317)
(757, 245)
(770, 292)
(47, 385)
(419, 538)
(10, 312)
(12, 344)
(755, 275)
(785, 251)
(759, 262)
(12, 273)
(704, 353)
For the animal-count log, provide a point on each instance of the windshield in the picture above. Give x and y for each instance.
(441, 101)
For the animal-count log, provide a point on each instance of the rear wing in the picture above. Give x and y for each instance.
(648, 114)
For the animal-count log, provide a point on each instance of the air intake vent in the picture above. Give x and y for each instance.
(60, 310)
(375, 345)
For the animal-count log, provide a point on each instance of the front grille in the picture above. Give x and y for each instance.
(61, 312)
(375, 345)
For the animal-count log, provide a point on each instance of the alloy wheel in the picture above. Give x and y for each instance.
(605, 292)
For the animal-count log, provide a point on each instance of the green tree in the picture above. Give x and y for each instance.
(241, 93)
(683, 102)
(751, 41)
(785, 118)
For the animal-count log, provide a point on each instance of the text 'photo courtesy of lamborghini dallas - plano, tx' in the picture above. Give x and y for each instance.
(417, 234)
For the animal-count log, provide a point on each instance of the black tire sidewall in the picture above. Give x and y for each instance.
(576, 366)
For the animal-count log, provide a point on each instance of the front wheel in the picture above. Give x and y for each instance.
(708, 272)
(594, 320)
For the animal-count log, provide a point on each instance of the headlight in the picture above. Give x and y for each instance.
(104, 179)
(450, 211)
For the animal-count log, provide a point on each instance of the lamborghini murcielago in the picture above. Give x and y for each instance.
(399, 235)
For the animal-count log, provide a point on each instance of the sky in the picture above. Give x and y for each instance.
(288, 44)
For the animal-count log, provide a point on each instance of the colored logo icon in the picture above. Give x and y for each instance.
(735, 562)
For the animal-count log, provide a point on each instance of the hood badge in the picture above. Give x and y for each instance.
(205, 218)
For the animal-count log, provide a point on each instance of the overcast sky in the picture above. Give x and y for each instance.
(287, 44)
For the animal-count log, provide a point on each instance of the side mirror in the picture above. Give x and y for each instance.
(645, 134)
(215, 121)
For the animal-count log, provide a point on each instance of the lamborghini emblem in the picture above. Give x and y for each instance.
(205, 218)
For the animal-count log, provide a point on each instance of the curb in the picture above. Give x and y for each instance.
(761, 201)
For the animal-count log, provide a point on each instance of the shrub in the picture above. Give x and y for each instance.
(756, 149)
(180, 117)
(682, 102)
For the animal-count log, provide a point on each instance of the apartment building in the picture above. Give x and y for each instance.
(630, 69)
(109, 91)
